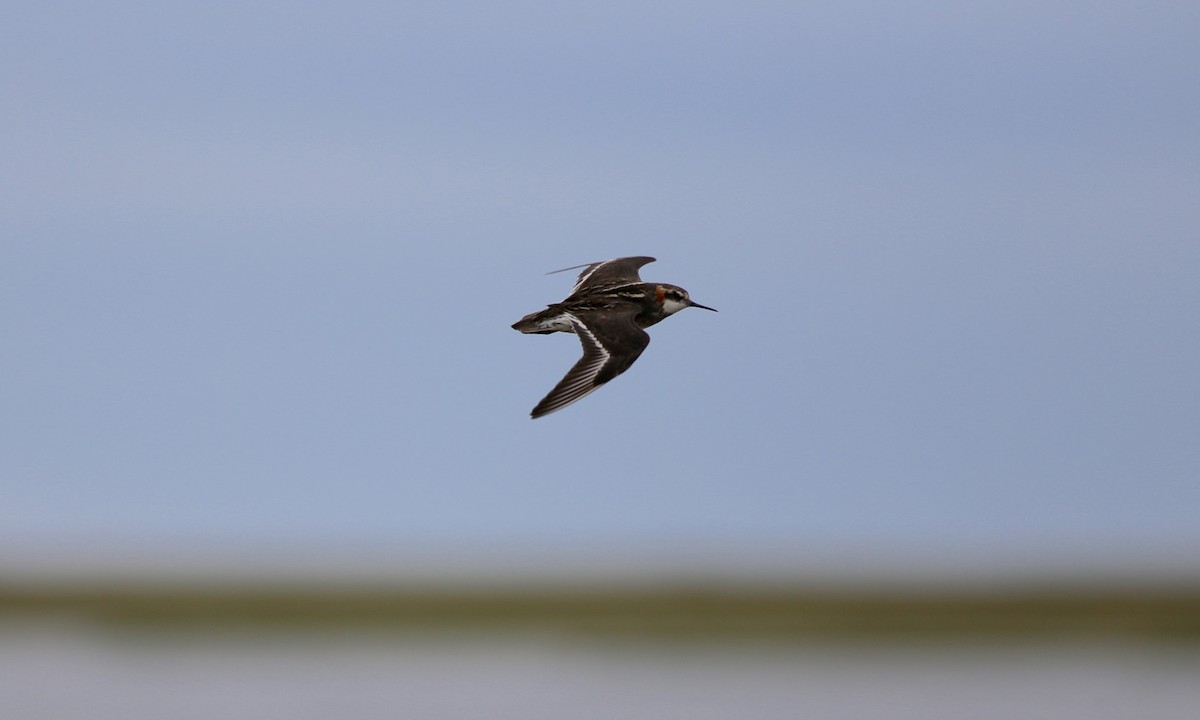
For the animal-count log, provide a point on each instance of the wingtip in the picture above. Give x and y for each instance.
(573, 267)
(541, 412)
(646, 258)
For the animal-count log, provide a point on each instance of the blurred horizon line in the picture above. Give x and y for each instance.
(587, 564)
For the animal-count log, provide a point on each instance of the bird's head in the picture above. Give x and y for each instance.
(674, 298)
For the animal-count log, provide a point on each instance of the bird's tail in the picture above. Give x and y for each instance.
(543, 322)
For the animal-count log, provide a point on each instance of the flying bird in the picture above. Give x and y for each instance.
(608, 309)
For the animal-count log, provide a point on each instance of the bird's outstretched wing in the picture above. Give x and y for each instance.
(611, 342)
(608, 272)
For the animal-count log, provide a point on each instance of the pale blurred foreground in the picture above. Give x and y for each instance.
(160, 653)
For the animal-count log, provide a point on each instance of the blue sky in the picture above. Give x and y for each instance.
(260, 260)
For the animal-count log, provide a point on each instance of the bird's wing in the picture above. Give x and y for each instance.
(607, 272)
(611, 342)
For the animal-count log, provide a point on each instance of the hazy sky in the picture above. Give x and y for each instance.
(259, 260)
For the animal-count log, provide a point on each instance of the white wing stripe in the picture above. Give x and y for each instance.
(583, 278)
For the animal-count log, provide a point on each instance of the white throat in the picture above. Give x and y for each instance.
(670, 306)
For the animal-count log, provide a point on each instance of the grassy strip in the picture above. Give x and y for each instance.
(784, 614)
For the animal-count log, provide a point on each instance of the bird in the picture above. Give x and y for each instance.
(608, 310)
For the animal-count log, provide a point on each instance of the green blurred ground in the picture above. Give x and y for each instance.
(665, 613)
